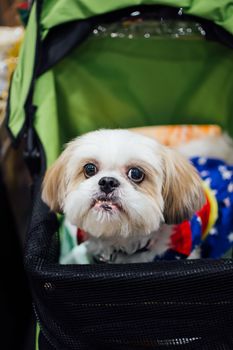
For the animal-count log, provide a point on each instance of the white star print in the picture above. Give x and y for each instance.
(227, 175)
(202, 160)
(230, 237)
(208, 181)
(230, 187)
(213, 231)
(227, 202)
(204, 173)
(222, 168)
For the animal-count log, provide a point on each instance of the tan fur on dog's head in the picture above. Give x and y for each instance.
(182, 190)
(170, 190)
(55, 183)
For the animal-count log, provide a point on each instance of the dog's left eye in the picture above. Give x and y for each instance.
(90, 169)
(136, 175)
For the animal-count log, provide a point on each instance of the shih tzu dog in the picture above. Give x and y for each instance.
(124, 192)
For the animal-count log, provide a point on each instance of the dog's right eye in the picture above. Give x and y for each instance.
(136, 175)
(90, 170)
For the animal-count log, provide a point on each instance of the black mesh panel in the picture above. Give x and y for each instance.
(164, 305)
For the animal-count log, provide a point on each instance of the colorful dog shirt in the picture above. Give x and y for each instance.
(211, 228)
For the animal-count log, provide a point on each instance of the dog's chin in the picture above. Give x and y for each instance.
(111, 221)
(106, 218)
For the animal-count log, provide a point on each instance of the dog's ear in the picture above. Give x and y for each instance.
(54, 185)
(182, 189)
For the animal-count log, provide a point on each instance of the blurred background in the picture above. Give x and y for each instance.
(15, 300)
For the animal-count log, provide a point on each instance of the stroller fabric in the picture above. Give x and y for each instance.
(86, 65)
(107, 81)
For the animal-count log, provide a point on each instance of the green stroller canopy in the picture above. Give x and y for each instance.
(87, 65)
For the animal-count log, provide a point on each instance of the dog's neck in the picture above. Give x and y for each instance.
(131, 249)
(112, 255)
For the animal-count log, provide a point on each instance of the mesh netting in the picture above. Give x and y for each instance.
(163, 305)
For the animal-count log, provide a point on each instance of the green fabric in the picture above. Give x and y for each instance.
(37, 336)
(124, 83)
(127, 83)
(60, 11)
(22, 76)
(67, 242)
(46, 120)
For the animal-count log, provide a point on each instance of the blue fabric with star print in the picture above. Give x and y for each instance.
(219, 177)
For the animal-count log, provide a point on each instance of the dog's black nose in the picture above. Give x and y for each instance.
(108, 184)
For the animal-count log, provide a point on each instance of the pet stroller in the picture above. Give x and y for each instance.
(87, 65)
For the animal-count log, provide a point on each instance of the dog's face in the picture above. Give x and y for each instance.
(116, 182)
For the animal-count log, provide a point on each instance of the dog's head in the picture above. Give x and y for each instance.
(112, 182)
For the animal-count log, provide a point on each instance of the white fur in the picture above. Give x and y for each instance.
(218, 147)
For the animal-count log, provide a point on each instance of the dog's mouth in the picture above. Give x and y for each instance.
(106, 204)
